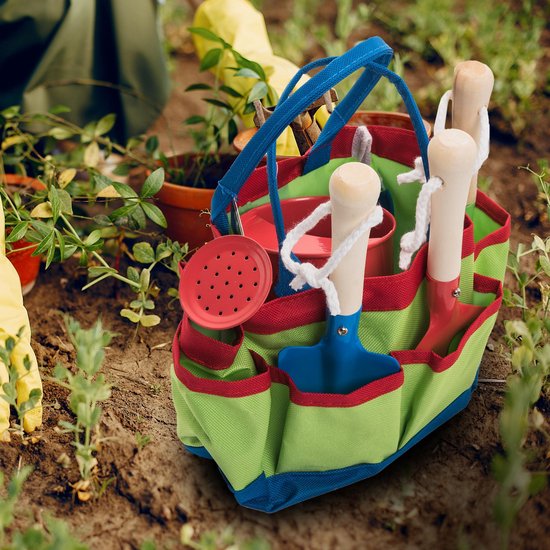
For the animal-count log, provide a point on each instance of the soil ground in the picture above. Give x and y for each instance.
(439, 495)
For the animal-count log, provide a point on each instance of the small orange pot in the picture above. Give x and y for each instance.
(26, 265)
(385, 118)
(187, 208)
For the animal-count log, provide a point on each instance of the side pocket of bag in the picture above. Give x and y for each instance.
(436, 385)
(229, 417)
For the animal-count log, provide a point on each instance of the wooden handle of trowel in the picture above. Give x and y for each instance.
(354, 191)
(452, 155)
(472, 87)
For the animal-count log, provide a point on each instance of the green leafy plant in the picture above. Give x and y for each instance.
(142, 440)
(8, 347)
(211, 540)
(53, 535)
(529, 344)
(88, 388)
(214, 132)
(82, 213)
(505, 38)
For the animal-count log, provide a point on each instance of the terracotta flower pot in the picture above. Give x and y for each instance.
(383, 118)
(26, 265)
(186, 207)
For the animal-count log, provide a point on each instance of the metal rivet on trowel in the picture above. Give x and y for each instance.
(342, 331)
(456, 292)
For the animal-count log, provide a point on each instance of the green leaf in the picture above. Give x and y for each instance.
(152, 144)
(60, 133)
(232, 130)
(66, 177)
(91, 155)
(259, 91)
(124, 190)
(59, 109)
(144, 279)
(93, 237)
(248, 73)
(65, 202)
(55, 203)
(545, 264)
(105, 124)
(195, 119)
(210, 59)
(245, 63)
(230, 91)
(205, 33)
(18, 232)
(133, 274)
(45, 243)
(218, 103)
(98, 270)
(130, 315)
(122, 169)
(154, 213)
(123, 212)
(143, 253)
(152, 184)
(10, 112)
(198, 86)
(149, 320)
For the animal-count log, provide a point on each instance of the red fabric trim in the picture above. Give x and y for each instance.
(206, 351)
(397, 144)
(499, 215)
(358, 397)
(268, 375)
(237, 388)
(435, 361)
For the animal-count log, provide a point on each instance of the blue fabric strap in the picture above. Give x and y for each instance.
(373, 49)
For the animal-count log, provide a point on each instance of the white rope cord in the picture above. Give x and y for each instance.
(361, 145)
(307, 273)
(412, 241)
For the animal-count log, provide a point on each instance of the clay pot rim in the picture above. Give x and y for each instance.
(18, 180)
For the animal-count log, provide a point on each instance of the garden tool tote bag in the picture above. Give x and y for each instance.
(275, 444)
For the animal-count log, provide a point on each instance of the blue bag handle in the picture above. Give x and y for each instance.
(372, 49)
(373, 54)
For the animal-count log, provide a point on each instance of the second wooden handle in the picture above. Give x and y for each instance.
(472, 87)
(452, 155)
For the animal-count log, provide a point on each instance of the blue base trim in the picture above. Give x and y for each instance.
(271, 494)
(198, 451)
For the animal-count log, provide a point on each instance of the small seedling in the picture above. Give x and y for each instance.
(211, 540)
(528, 339)
(142, 440)
(54, 535)
(88, 388)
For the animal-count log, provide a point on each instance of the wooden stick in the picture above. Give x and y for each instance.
(354, 191)
(472, 87)
(452, 155)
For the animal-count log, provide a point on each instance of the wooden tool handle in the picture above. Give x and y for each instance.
(354, 191)
(472, 87)
(452, 155)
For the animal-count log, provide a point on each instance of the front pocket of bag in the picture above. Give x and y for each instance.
(330, 431)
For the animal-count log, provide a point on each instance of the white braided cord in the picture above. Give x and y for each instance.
(307, 273)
